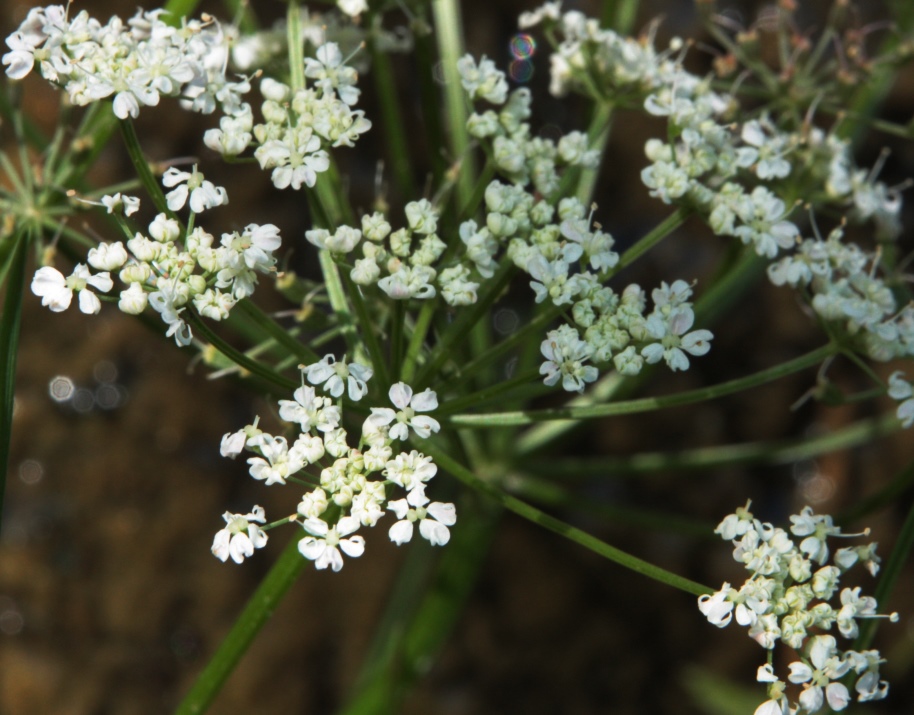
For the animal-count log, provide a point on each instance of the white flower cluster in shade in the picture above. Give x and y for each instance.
(299, 126)
(734, 173)
(134, 62)
(352, 486)
(261, 49)
(789, 598)
(568, 257)
(168, 268)
(903, 392)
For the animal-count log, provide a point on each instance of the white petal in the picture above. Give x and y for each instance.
(400, 394)
(425, 401)
(353, 547)
(401, 532)
(436, 533)
(89, 302)
(445, 513)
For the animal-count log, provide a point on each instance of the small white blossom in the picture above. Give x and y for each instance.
(325, 542)
(407, 404)
(56, 292)
(203, 194)
(240, 536)
(335, 375)
(415, 508)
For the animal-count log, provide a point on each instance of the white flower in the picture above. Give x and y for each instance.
(309, 410)
(352, 7)
(313, 504)
(127, 204)
(278, 461)
(408, 405)
(232, 443)
(134, 300)
(203, 194)
(56, 292)
(717, 607)
(674, 340)
(325, 543)
(330, 72)
(333, 375)
(483, 80)
(240, 537)
(107, 256)
(901, 390)
(827, 665)
(410, 470)
(565, 354)
(413, 508)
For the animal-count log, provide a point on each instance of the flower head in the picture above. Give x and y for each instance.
(407, 404)
(240, 536)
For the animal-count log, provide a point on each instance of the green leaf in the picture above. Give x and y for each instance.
(10, 322)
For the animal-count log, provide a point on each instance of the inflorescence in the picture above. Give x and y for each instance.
(790, 599)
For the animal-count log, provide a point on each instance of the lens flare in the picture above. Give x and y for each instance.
(522, 47)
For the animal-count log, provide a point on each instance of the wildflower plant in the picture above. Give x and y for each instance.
(398, 400)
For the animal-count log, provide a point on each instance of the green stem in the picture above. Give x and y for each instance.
(555, 495)
(498, 390)
(598, 135)
(144, 173)
(255, 614)
(391, 115)
(619, 15)
(417, 340)
(176, 10)
(704, 458)
(422, 610)
(559, 527)
(429, 95)
(277, 332)
(10, 322)
(449, 34)
(647, 404)
(340, 304)
(238, 357)
(296, 45)
(368, 328)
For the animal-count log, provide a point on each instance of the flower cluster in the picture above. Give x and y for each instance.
(735, 174)
(266, 47)
(789, 598)
(902, 391)
(352, 486)
(135, 62)
(298, 125)
(845, 288)
(169, 268)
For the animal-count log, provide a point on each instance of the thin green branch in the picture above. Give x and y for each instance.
(144, 173)
(392, 119)
(704, 458)
(647, 404)
(255, 614)
(572, 533)
(236, 356)
(277, 332)
(449, 34)
(10, 323)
